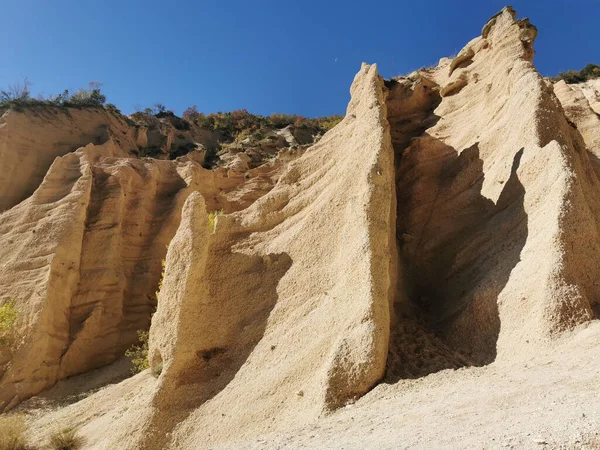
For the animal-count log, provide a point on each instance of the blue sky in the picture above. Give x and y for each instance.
(266, 56)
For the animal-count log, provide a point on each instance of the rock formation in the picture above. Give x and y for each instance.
(85, 231)
(450, 220)
(498, 179)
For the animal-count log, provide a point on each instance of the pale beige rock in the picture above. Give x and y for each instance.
(31, 140)
(267, 349)
(81, 257)
(272, 350)
(581, 115)
(591, 90)
(494, 211)
(450, 220)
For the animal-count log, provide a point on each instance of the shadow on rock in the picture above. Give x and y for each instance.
(457, 250)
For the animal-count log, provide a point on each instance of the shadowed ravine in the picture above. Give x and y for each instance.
(446, 320)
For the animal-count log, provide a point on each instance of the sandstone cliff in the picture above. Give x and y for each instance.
(85, 229)
(449, 221)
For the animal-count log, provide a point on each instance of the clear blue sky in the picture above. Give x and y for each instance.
(266, 56)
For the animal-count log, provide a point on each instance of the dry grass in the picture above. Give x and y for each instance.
(12, 432)
(65, 439)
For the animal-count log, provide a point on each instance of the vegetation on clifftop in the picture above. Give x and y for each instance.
(589, 72)
(19, 95)
(225, 127)
(230, 124)
(235, 122)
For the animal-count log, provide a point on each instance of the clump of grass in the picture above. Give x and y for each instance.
(12, 432)
(212, 217)
(8, 318)
(65, 439)
(139, 353)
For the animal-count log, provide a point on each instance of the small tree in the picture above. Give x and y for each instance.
(190, 113)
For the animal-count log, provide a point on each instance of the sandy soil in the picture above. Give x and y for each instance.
(550, 402)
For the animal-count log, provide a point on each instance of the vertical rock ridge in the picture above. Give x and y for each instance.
(274, 342)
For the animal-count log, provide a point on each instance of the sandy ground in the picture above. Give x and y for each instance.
(550, 402)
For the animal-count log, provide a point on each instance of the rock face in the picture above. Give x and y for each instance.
(84, 253)
(26, 156)
(299, 255)
(498, 179)
(450, 220)
(81, 255)
(580, 112)
(591, 90)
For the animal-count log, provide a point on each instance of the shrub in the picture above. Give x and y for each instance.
(190, 113)
(158, 109)
(281, 120)
(589, 72)
(212, 217)
(17, 92)
(327, 123)
(139, 353)
(113, 108)
(65, 439)
(92, 96)
(150, 152)
(12, 432)
(8, 318)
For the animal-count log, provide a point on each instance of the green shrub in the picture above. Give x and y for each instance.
(65, 439)
(92, 96)
(8, 318)
(113, 108)
(139, 353)
(589, 72)
(12, 432)
(212, 217)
